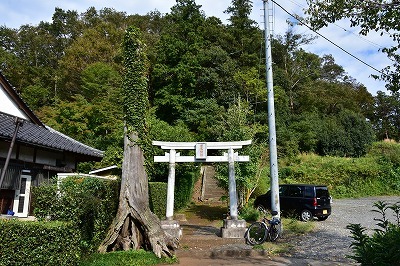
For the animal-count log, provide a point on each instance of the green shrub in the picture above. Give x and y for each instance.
(123, 258)
(183, 193)
(345, 177)
(89, 203)
(184, 187)
(387, 152)
(158, 198)
(383, 247)
(249, 213)
(39, 243)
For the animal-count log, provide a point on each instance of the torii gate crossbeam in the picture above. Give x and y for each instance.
(201, 156)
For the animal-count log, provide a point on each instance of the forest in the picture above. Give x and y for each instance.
(205, 79)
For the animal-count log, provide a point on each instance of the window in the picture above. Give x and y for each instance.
(322, 192)
(309, 192)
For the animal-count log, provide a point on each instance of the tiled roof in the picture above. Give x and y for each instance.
(46, 137)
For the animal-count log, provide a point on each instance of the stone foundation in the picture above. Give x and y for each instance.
(233, 228)
(172, 228)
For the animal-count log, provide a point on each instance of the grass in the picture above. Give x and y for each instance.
(123, 258)
(292, 228)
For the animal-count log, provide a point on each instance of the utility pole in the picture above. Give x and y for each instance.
(275, 206)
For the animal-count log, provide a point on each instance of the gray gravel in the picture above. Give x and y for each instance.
(331, 240)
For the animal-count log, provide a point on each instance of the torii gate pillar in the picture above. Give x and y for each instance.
(233, 228)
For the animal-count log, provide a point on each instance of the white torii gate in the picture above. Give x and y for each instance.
(201, 156)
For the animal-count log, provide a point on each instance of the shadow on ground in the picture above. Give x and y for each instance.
(209, 212)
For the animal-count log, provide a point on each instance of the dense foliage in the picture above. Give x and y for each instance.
(39, 243)
(135, 94)
(378, 173)
(205, 82)
(89, 203)
(158, 198)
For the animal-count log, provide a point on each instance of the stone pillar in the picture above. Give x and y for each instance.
(171, 186)
(170, 226)
(232, 186)
(233, 228)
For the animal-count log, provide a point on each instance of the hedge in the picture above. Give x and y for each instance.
(90, 203)
(183, 194)
(158, 198)
(38, 243)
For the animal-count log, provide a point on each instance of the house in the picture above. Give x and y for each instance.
(31, 152)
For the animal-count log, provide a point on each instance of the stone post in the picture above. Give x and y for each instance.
(169, 225)
(171, 186)
(232, 186)
(233, 228)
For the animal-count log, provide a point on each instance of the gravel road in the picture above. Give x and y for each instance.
(331, 240)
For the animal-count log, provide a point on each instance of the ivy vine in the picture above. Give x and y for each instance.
(135, 82)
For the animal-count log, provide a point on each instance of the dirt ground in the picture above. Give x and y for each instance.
(201, 243)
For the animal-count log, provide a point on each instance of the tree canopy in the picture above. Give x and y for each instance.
(205, 82)
(381, 16)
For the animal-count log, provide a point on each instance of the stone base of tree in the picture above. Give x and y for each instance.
(172, 228)
(233, 228)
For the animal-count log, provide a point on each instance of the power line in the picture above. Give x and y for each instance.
(319, 34)
(344, 29)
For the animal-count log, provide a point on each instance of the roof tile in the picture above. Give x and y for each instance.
(43, 136)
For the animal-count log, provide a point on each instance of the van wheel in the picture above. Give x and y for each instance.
(306, 215)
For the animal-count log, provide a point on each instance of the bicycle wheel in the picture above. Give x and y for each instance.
(256, 233)
(273, 232)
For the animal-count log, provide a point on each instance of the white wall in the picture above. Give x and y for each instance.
(8, 106)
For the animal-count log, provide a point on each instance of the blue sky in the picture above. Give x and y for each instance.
(15, 13)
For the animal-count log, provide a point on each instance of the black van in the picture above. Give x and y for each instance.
(307, 201)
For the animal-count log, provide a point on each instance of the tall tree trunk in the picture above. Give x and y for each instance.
(135, 226)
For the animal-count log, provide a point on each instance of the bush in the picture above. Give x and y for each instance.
(383, 247)
(183, 193)
(39, 243)
(249, 213)
(158, 198)
(184, 184)
(89, 203)
(387, 152)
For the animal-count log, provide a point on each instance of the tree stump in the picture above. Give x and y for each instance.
(135, 226)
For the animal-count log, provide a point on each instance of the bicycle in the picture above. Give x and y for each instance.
(258, 232)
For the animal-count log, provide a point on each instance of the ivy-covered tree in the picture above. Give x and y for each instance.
(135, 226)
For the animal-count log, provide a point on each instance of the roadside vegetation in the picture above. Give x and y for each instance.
(376, 173)
(124, 258)
(383, 246)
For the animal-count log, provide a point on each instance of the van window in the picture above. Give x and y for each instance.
(309, 192)
(322, 192)
(294, 191)
(282, 191)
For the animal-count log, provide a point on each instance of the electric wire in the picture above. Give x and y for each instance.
(325, 38)
(344, 29)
